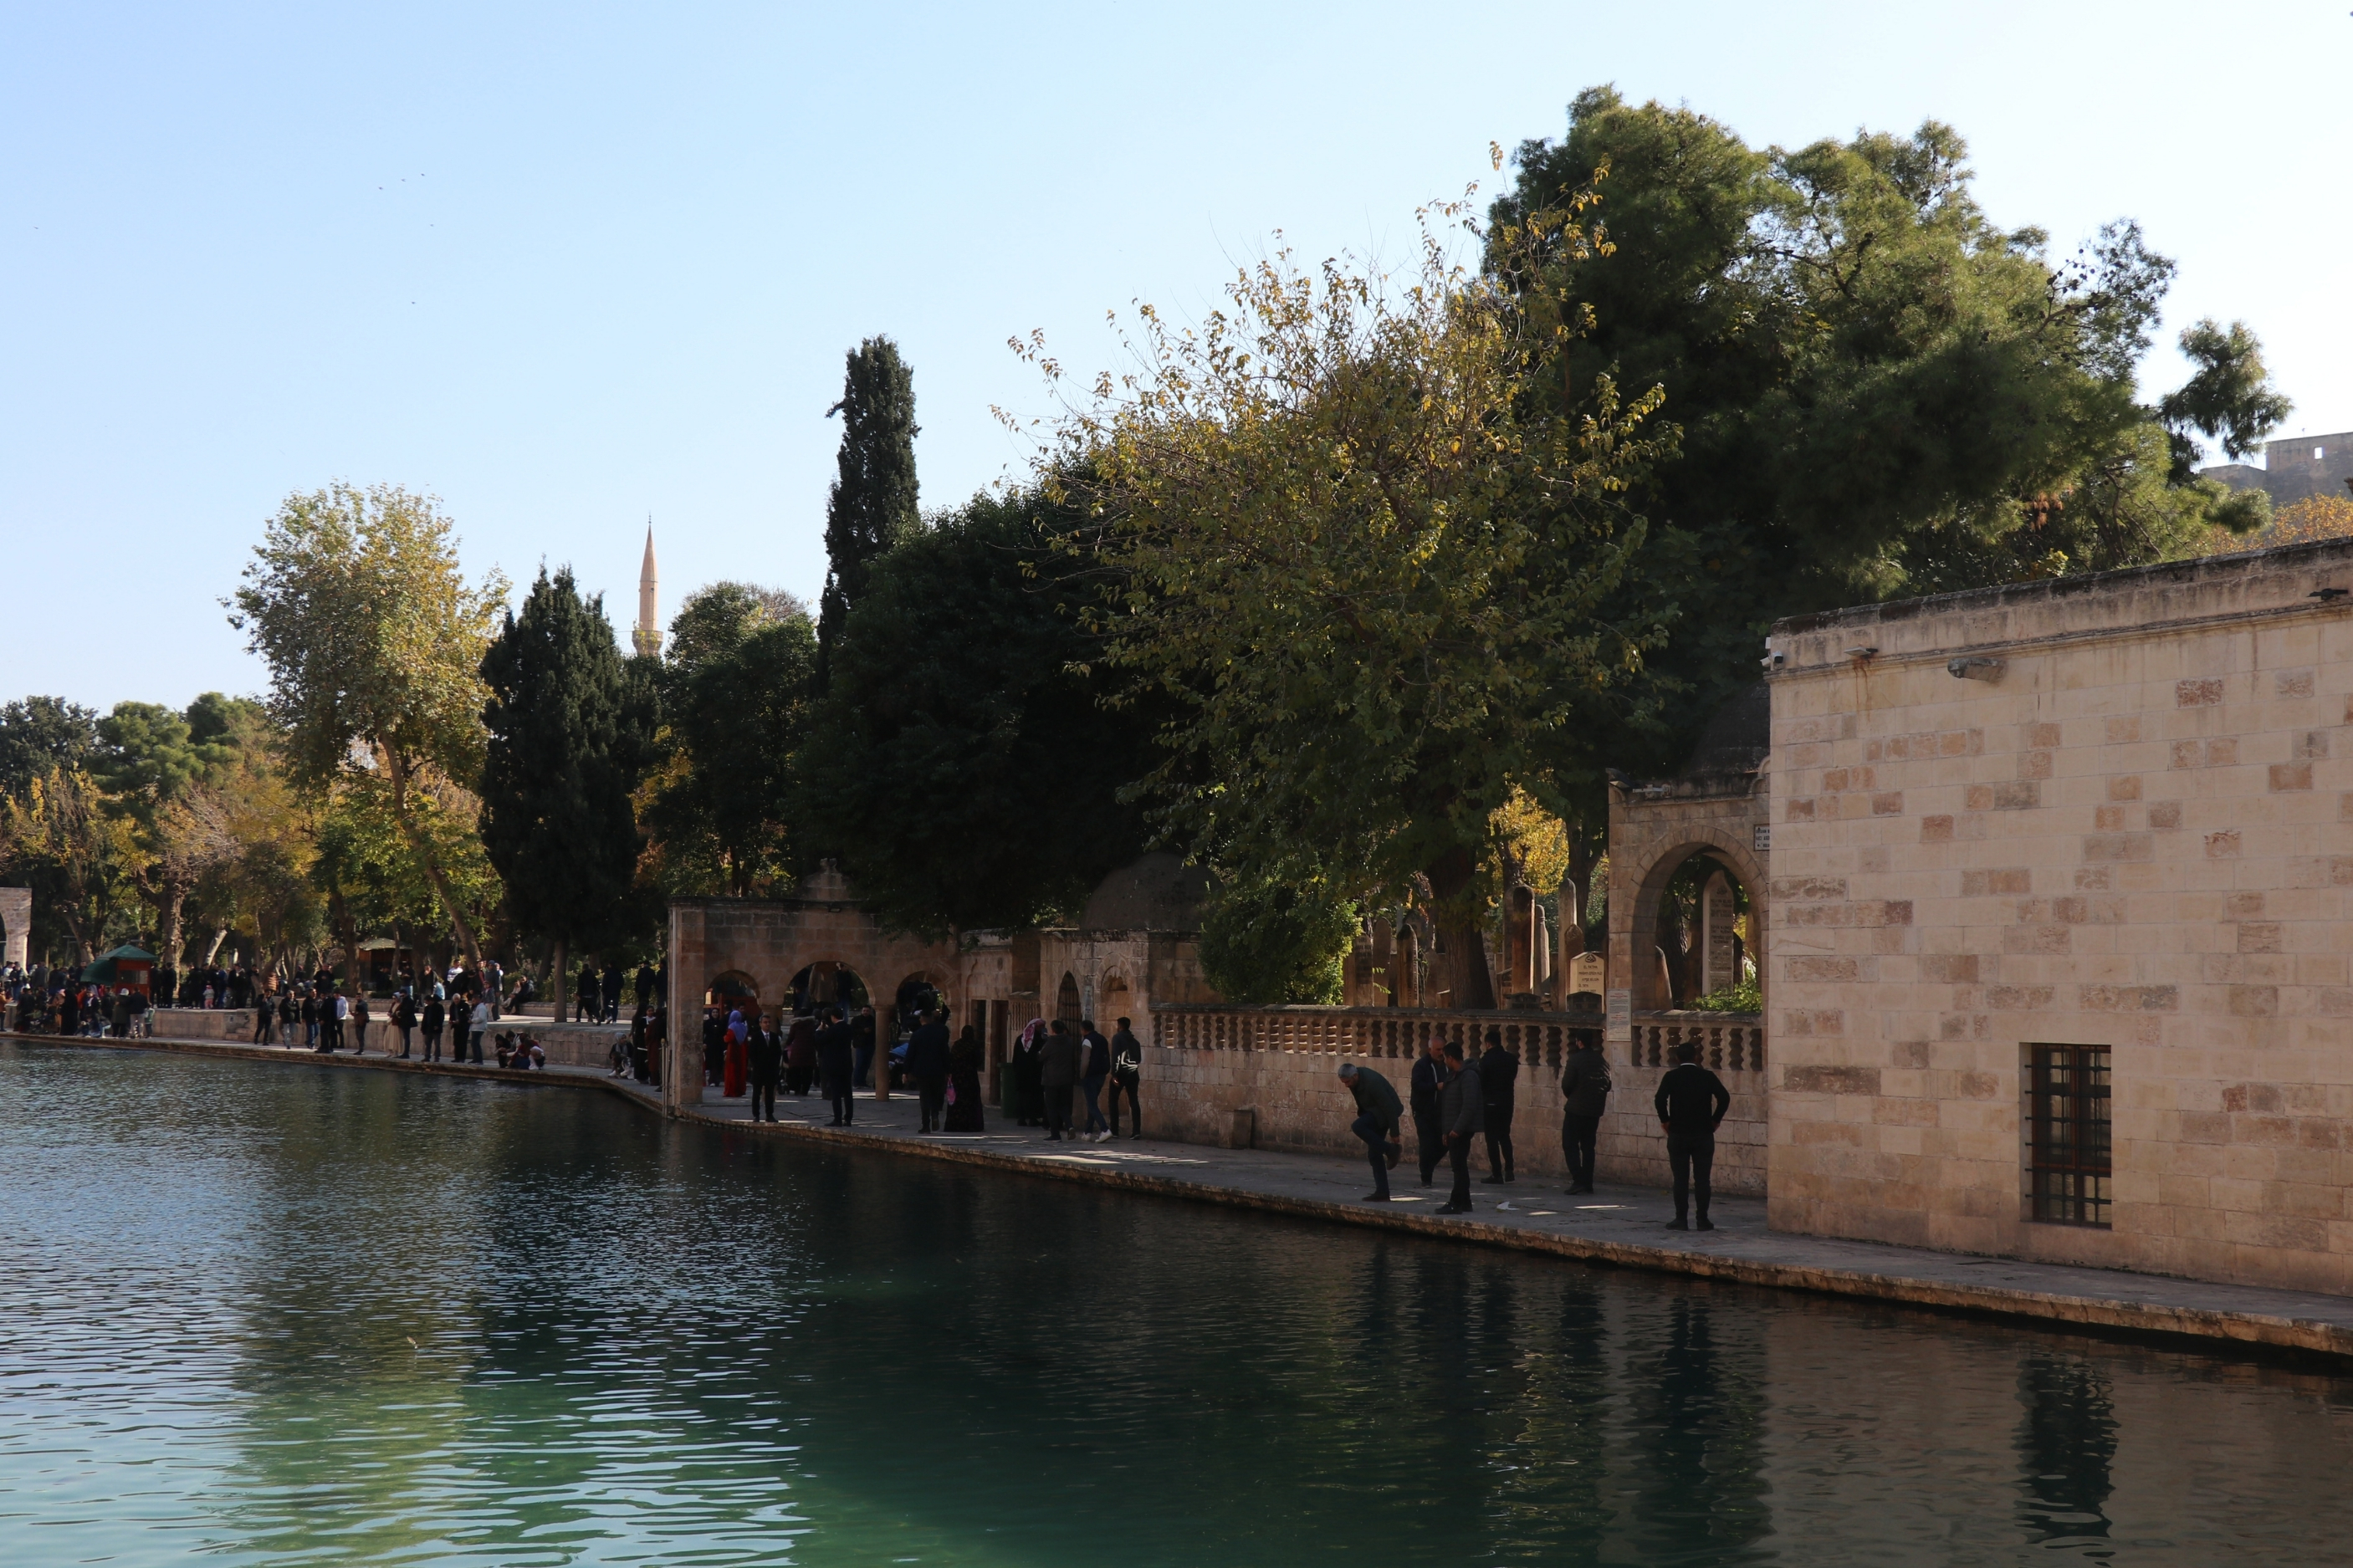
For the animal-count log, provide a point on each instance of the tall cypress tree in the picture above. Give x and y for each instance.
(873, 505)
(563, 758)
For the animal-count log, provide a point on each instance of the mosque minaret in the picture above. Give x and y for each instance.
(647, 635)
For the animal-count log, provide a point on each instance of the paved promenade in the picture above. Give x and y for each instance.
(1622, 1226)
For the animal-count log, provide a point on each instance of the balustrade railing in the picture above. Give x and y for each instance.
(1541, 1039)
(1729, 1042)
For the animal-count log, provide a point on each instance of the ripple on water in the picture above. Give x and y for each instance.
(312, 1316)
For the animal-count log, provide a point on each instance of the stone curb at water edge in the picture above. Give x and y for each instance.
(2248, 1329)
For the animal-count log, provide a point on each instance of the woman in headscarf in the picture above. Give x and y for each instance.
(963, 1084)
(1028, 1087)
(739, 1056)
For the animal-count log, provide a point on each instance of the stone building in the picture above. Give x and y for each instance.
(2062, 894)
(1132, 951)
(2294, 468)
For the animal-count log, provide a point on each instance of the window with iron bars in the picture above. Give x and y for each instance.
(2067, 1148)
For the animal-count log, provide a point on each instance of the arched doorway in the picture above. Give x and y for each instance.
(826, 982)
(1695, 935)
(1118, 1001)
(732, 988)
(1066, 1000)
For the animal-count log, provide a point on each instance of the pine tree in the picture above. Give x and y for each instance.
(873, 505)
(563, 758)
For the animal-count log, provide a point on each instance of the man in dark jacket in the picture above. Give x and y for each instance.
(1092, 1078)
(612, 994)
(1429, 1078)
(1583, 1098)
(1058, 1074)
(1126, 1072)
(833, 1057)
(1498, 1069)
(927, 1063)
(767, 1061)
(1461, 1111)
(1691, 1103)
(1377, 1114)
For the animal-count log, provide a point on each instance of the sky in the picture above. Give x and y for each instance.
(569, 268)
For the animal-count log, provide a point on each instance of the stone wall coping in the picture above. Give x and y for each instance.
(1318, 1010)
(2203, 571)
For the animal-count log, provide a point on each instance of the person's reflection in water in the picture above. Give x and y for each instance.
(1702, 1494)
(2066, 1448)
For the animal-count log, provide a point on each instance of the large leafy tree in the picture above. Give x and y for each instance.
(374, 639)
(1872, 389)
(873, 502)
(962, 765)
(38, 733)
(561, 763)
(734, 686)
(156, 775)
(1371, 569)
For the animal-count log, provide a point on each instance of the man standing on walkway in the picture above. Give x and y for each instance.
(1498, 1070)
(1126, 1072)
(833, 1059)
(1428, 1078)
(1583, 1098)
(1058, 1074)
(766, 1049)
(1462, 1112)
(1377, 1114)
(1092, 1078)
(461, 1025)
(927, 1063)
(1691, 1103)
(481, 1025)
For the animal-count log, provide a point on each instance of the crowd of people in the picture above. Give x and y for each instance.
(45, 1001)
(1456, 1099)
(1054, 1062)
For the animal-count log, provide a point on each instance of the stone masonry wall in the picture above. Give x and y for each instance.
(2138, 835)
(1302, 1106)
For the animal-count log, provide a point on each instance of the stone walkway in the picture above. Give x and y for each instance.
(1620, 1225)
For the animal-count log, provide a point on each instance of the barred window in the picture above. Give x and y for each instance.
(2067, 1132)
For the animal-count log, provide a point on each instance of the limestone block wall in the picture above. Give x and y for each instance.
(2113, 812)
(1300, 1107)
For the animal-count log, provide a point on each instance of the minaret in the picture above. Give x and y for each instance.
(647, 635)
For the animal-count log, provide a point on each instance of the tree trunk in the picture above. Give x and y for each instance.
(1453, 887)
(555, 981)
(168, 931)
(212, 949)
(398, 767)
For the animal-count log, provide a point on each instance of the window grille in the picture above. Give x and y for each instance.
(2068, 1133)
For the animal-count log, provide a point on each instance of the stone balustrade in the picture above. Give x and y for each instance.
(1541, 1039)
(1729, 1042)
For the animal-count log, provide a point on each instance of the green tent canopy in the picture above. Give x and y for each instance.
(105, 970)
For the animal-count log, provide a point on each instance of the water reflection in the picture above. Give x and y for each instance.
(2066, 1443)
(307, 1316)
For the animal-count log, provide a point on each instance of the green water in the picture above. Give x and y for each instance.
(293, 1315)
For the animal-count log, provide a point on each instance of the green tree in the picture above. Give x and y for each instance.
(1369, 568)
(1873, 389)
(962, 765)
(152, 770)
(1277, 941)
(38, 733)
(2229, 398)
(556, 816)
(873, 502)
(356, 602)
(735, 686)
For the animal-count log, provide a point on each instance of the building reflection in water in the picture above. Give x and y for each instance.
(2066, 1448)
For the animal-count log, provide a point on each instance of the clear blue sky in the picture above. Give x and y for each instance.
(568, 266)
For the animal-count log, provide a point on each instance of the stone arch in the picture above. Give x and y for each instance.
(822, 981)
(1114, 998)
(1067, 1005)
(1642, 885)
(730, 988)
(903, 993)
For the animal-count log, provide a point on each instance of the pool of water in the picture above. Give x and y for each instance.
(296, 1315)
